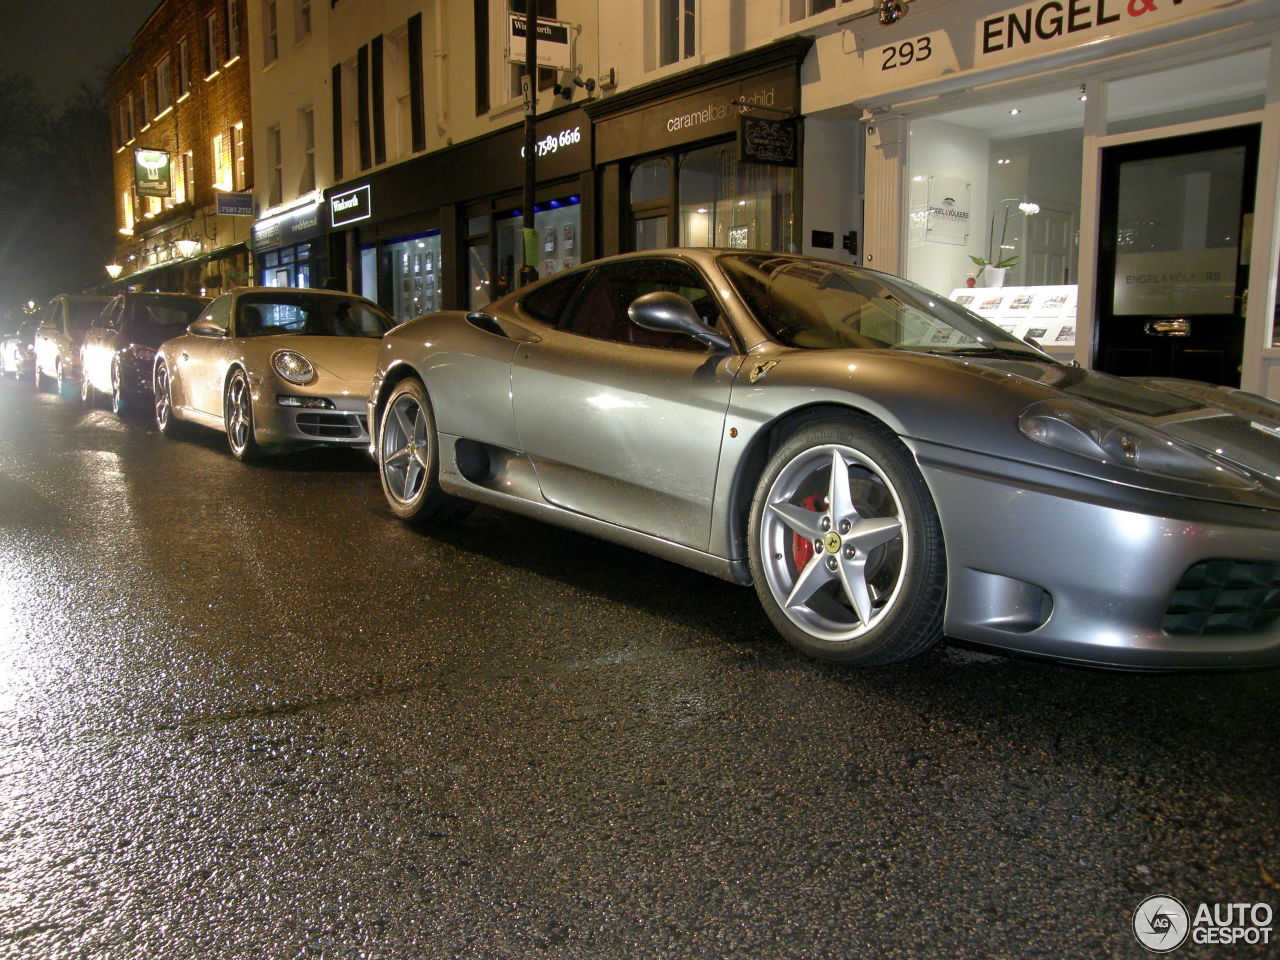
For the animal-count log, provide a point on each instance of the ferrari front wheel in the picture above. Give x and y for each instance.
(408, 451)
(845, 545)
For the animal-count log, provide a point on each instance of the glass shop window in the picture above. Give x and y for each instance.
(480, 288)
(993, 211)
(1195, 91)
(558, 224)
(415, 274)
(718, 202)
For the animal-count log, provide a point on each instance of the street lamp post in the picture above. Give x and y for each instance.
(528, 272)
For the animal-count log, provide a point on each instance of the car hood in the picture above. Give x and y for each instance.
(1232, 424)
(343, 358)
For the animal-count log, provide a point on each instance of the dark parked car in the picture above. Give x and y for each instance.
(120, 348)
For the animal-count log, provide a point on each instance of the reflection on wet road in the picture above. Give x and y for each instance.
(244, 713)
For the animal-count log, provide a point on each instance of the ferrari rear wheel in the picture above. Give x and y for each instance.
(409, 458)
(846, 547)
(237, 415)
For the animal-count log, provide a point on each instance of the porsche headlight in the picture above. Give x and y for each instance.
(1089, 431)
(293, 366)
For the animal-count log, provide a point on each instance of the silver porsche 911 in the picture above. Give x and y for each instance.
(884, 466)
(276, 368)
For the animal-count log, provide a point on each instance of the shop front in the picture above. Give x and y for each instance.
(443, 231)
(290, 246)
(204, 253)
(1098, 177)
(709, 157)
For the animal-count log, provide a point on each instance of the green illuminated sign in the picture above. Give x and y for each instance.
(151, 173)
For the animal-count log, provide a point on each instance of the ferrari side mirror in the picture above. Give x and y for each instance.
(666, 312)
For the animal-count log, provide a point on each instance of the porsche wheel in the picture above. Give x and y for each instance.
(409, 458)
(88, 396)
(237, 414)
(846, 548)
(166, 423)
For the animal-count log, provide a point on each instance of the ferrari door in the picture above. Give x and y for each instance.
(621, 423)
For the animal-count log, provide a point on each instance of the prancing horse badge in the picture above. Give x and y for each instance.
(760, 369)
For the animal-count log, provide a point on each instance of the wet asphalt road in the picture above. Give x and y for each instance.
(244, 713)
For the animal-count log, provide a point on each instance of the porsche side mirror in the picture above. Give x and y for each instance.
(665, 312)
(206, 328)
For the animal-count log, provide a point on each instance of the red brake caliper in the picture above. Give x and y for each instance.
(801, 548)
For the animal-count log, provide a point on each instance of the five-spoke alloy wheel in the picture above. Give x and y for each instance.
(846, 547)
(165, 421)
(409, 457)
(237, 412)
(121, 406)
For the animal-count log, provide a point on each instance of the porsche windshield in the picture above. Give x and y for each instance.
(818, 305)
(311, 314)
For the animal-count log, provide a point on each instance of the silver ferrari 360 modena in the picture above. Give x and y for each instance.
(883, 465)
(276, 368)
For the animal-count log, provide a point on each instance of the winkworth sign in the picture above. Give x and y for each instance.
(350, 206)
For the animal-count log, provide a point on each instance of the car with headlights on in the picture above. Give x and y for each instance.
(57, 340)
(882, 465)
(17, 350)
(118, 354)
(275, 368)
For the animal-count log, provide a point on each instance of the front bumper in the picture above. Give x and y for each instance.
(287, 427)
(1083, 571)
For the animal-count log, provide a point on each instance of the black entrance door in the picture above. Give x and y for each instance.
(1172, 255)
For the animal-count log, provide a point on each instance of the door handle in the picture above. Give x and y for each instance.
(1168, 328)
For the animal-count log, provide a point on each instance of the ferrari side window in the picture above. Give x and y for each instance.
(548, 302)
(600, 310)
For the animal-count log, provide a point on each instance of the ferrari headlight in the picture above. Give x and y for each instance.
(293, 366)
(1089, 431)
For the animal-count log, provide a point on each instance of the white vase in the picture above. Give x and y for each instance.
(992, 276)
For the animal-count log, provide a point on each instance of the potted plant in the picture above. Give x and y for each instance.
(992, 274)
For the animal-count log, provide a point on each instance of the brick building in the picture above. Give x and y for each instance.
(182, 139)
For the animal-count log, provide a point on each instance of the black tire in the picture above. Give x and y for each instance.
(166, 422)
(237, 418)
(88, 395)
(855, 574)
(408, 455)
(64, 386)
(121, 404)
(39, 377)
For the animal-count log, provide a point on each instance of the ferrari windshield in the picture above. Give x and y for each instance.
(312, 314)
(818, 305)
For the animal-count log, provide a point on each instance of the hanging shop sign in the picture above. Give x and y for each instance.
(765, 140)
(234, 204)
(152, 173)
(555, 49)
(350, 206)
